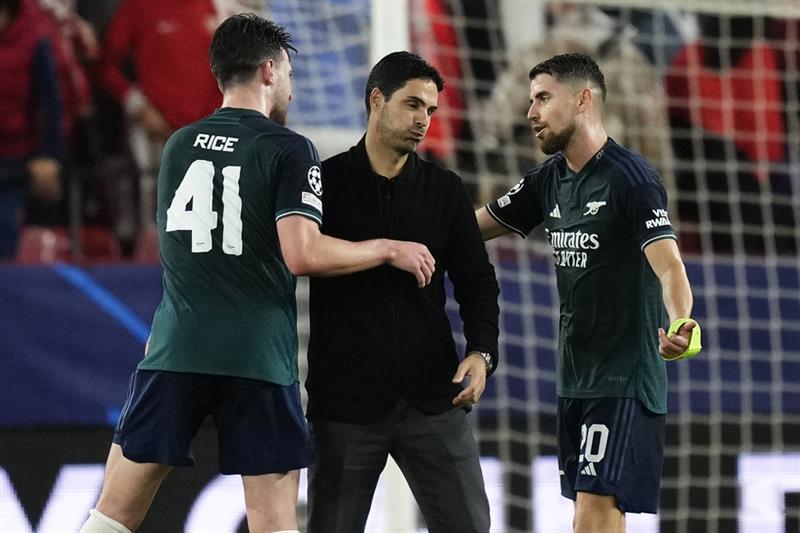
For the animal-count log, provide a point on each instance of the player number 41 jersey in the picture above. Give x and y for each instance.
(228, 306)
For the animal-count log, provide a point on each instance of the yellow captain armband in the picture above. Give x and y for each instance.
(694, 342)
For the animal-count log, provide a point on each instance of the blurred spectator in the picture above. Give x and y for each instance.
(733, 92)
(75, 28)
(454, 37)
(32, 129)
(635, 117)
(434, 38)
(166, 43)
(658, 34)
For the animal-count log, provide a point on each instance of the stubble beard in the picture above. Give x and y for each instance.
(557, 142)
(393, 138)
(279, 115)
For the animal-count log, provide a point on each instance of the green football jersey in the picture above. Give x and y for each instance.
(599, 222)
(228, 305)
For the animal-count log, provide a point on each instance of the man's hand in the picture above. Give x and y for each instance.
(671, 346)
(414, 258)
(473, 366)
(154, 123)
(45, 179)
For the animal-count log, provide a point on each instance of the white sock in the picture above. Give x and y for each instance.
(100, 523)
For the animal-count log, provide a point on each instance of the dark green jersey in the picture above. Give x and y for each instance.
(229, 306)
(598, 222)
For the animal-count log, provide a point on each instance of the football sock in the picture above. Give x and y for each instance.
(100, 523)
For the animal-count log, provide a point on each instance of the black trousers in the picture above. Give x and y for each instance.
(437, 454)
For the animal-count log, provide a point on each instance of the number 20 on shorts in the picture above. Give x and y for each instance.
(598, 433)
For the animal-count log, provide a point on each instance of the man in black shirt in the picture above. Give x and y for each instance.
(384, 375)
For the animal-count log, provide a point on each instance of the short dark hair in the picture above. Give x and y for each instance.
(394, 70)
(241, 43)
(572, 67)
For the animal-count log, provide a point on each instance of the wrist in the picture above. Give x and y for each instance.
(389, 253)
(487, 359)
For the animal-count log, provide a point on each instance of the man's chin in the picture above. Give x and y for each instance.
(547, 149)
(551, 146)
(407, 147)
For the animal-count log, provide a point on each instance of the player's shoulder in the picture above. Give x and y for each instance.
(281, 136)
(183, 134)
(294, 146)
(630, 168)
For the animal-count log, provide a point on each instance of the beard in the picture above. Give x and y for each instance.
(558, 141)
(279, 114)
(280, 105)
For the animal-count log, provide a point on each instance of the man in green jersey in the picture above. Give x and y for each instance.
(604, 211)
(239, 210)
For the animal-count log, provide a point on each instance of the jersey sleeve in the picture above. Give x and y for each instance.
(519, 209)
(647, 213)
(299, 190)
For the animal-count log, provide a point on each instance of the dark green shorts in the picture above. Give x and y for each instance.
(611, 446)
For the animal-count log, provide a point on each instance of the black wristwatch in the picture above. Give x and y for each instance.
(487, 358)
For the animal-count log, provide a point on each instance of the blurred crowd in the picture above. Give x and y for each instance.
(91, 89)
(711, 99)
(88, 104)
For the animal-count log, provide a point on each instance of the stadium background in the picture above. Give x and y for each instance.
(708, 90)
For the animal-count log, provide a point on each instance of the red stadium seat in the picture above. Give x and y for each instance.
(40, 245)
(147, 247)
(99, 245)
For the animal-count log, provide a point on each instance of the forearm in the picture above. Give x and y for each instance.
(307, 252)
(328, 256)
(676, 292)
(665, 260)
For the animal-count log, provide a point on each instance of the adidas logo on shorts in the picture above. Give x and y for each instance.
(589, 470)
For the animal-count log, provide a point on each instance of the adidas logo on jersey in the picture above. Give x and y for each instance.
(555, 213)
(589, 470)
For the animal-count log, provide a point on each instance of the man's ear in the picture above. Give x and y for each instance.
(585, 97)
(266, 71)
(376, 99)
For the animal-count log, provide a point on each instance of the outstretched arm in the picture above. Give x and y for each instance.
(308, 252)
(665, 260)
(490, 228)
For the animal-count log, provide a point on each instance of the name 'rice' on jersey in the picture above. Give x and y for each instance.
(598, 222)
(228, 306)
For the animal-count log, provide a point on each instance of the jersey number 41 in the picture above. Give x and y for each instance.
(197, 187)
